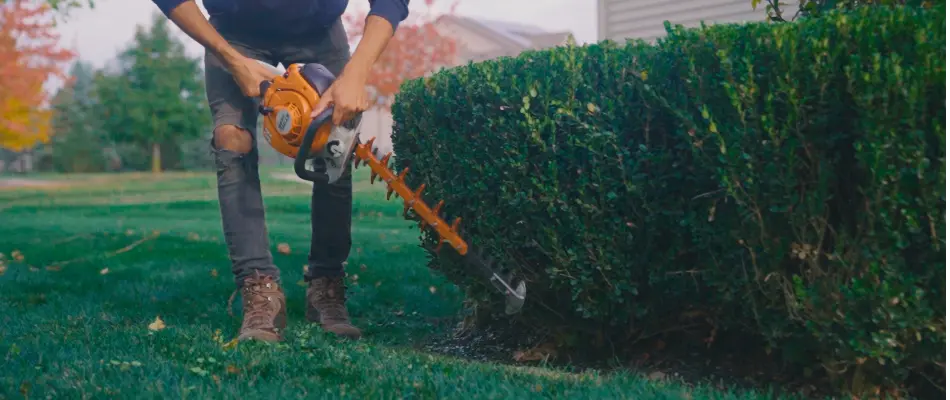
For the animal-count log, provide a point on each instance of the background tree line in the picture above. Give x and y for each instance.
(148, 112)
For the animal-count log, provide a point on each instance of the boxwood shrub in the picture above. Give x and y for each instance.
(784, 180)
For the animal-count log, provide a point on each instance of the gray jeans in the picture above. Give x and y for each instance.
(238, 179)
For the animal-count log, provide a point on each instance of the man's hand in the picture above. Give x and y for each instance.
(249, 73)
(347, 95)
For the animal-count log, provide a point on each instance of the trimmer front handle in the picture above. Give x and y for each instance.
(300, 162)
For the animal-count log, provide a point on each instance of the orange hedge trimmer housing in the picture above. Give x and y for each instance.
(286, 104)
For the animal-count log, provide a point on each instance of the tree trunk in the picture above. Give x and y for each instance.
(156, 158)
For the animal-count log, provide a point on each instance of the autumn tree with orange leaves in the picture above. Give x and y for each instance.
(416, 49)
(29, 56)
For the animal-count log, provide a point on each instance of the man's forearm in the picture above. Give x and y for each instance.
(376, 36)
(188, 17)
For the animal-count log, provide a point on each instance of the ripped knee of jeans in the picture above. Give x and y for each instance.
(233, 138)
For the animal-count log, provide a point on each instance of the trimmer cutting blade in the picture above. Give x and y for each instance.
(500, 279)
(514, 290)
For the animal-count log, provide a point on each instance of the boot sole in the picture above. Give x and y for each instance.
(263, 336)
(313, 316)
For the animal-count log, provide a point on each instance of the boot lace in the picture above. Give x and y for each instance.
(258, 304)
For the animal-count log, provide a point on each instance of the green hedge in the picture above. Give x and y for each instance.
(785, 180)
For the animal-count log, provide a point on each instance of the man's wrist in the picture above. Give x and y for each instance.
(357, 68)
(227, 54)
(376, 35)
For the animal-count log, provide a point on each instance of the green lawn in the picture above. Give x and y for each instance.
(105, 255)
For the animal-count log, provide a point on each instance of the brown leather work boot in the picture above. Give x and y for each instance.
(265, 309)
(326, 305)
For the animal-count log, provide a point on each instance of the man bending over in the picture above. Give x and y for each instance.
(281, 31)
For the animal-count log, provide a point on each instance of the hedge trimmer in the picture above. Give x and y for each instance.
(286, 103)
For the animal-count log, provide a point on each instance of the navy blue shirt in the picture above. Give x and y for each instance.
(293, 15)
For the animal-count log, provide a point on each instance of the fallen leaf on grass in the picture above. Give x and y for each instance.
(123, 366)
(194, 237)
(543, 352)
(104, 271)
(232, 369)
(230, 344)
(156, 325)
(3, 268)
(217, 338)
(17, 256)
(432, 289)
(283, 248)
(214, 273)
(54, 268)
(305, 269)
(399, 313)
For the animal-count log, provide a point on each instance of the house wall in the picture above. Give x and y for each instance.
(474, 43)
(643, 19)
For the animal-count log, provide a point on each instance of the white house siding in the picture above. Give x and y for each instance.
(377, 123)
(643, 19)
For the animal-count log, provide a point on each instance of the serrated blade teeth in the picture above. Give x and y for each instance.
(402, 175)
(438, 208)
(418, 192)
